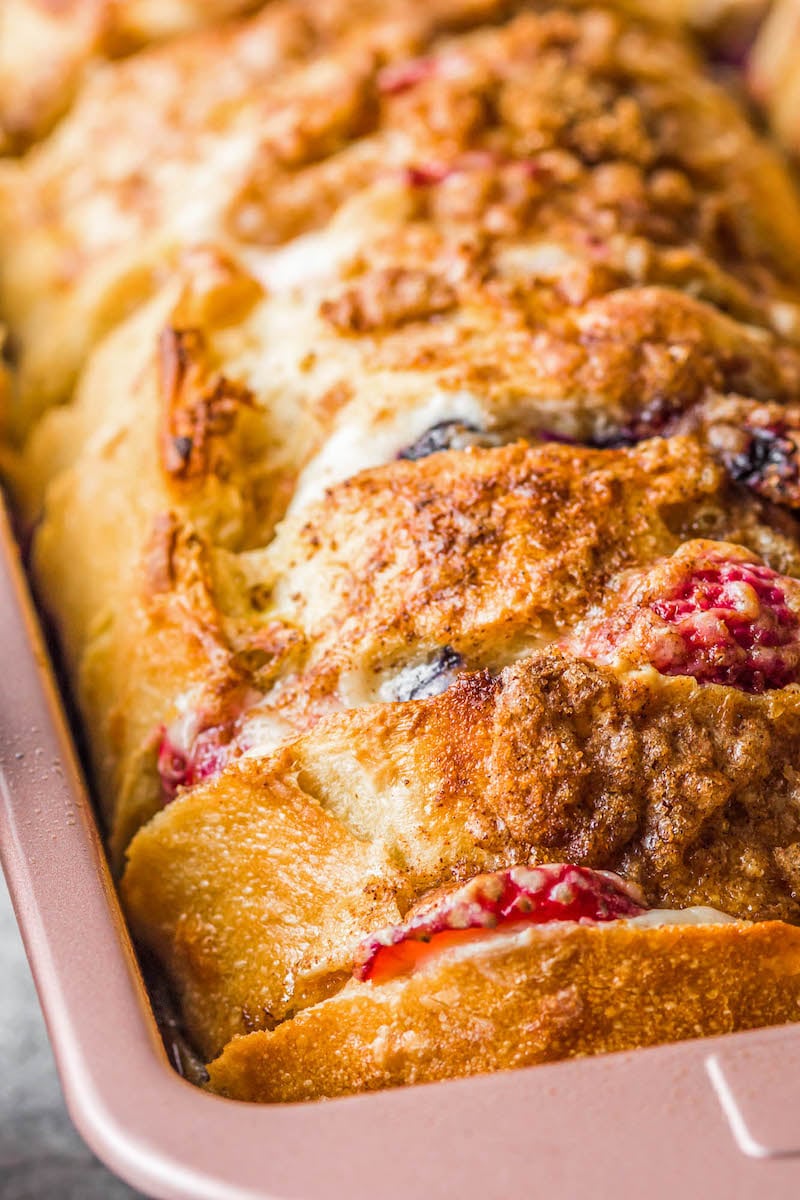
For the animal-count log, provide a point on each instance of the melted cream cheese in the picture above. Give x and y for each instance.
(197, 216)
(354, 448)
(539, 260)
(262, 733)
(655, 918)
(320, 254)
(306, 259)
(499, 941)
(184, 728)
(416, 681)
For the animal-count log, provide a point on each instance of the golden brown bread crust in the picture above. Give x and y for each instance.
(255, 162)
(235, 401)
(562, 991)
(47, 49)
(254, 897)
(539, 533)
(532, 534)
(473, 780)
(568, 351)
(621, 365)
(181, 437)
(330, 588)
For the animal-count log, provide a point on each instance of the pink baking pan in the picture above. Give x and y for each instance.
(715, 1118)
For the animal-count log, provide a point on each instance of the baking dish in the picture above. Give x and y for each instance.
(668, 1116)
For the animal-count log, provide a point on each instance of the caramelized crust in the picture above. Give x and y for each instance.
(426, 506)
(47, 48)
(474, 780)
(487, 553)
(643, 151)
(552, 993)
(227, 419)
(232, 407)
(488, 549)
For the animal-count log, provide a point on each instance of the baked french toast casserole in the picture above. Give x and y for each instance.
(402, 405)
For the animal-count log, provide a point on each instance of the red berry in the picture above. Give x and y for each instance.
(183, 768)
(715, 615)
(513, 898)
(400, 77)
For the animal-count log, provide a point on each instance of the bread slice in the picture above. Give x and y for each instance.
(253, 886)
(526, 276)
(517, 999)
(435, 518)
(166, 150)
(47, 51)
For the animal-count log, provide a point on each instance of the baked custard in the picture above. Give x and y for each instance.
(405, 413)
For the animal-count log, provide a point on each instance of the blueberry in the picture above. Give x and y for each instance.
(447, 435)
(768, 461)
(419, 680)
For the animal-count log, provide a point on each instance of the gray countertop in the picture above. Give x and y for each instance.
(41, 1155)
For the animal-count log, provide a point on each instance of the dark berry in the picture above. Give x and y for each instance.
(431, 677)
(447, 435)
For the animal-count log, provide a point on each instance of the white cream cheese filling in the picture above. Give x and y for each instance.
(499, 941)
(354, 448)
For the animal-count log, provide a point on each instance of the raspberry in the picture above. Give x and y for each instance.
(402, 76)
(507, 899)
(429, 174)
(424, 175)
(715, 615)
(656, 419)
(734, 625)
(183, 768)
